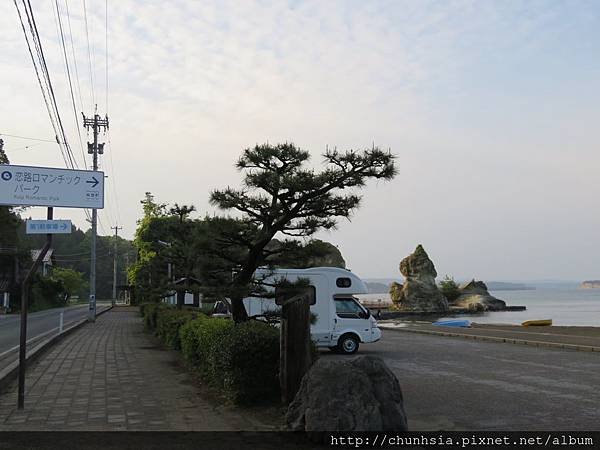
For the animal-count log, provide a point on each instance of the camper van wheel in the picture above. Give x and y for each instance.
(348, 344)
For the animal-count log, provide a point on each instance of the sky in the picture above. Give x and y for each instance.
(491, 108)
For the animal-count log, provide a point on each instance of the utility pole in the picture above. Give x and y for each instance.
(127, 293)
(114, 296)
(94, 149)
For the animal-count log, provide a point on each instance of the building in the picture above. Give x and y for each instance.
(47, 262)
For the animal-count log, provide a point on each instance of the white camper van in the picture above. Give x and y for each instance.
(342, 322)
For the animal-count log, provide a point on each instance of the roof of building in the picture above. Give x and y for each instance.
(47, 256)
(186, 279)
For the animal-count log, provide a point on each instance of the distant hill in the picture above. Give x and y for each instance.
(505, 286)
(553, 284)
(590, 284)
(382, 285)
(378, 288)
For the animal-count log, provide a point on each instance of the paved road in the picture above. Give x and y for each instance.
(39, 323)
(459, 384)
(576, 338)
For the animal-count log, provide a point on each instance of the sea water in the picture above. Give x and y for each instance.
(567, 307)
(572, 307)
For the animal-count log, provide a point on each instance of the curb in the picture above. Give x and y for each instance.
(10, 372)
(581, 348)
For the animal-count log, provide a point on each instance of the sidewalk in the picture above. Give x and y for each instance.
(112, 376)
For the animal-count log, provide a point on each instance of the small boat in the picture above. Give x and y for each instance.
(537, 323)
(464, 323)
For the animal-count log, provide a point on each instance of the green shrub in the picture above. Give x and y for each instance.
(449, 288)
(168, 322)
(207, 308)
(241, 360)
(150, 312)
(201, 341)
(249, 363)
(46, 292)
(143, 307)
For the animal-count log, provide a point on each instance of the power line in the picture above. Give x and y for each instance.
(48, 92)
(87, 35)
(109, 142)
(106, 51)
(52, 96)
(86, 211)
(107, 216)
(114, 178)
(64, 48)
(26, 147)
(115, 259)
(29, 138)
(48, 108)
(82, 259)
(67, 255)
(73, 53)
(46, 77)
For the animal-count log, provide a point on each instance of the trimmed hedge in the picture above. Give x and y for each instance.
(168, 322)
(142, 307)
(150, 311)
(241, 360)
(165, 320)
(201, 341)
(249, 360)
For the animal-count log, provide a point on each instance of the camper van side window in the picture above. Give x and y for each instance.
(347, 308)
(343, 282)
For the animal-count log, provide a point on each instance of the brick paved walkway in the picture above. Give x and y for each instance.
(112, 376)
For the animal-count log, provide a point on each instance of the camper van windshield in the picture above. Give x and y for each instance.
(348, 308)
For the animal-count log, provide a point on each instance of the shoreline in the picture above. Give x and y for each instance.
(583, 338)
(564, 330)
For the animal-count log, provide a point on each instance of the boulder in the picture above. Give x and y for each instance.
(419, 291)
(357, 394)
(475, 296)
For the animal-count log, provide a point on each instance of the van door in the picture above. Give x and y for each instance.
(351, 316)
(321, 328)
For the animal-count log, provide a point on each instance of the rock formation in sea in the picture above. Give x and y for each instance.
(475, 296)
(419, 291)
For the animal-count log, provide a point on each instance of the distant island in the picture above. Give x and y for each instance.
(382, 286)
(590, 284)
(504, 286)
(378, 287)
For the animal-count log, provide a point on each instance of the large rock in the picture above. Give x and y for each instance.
(475, 296)
(358, 394)
(419, 291)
